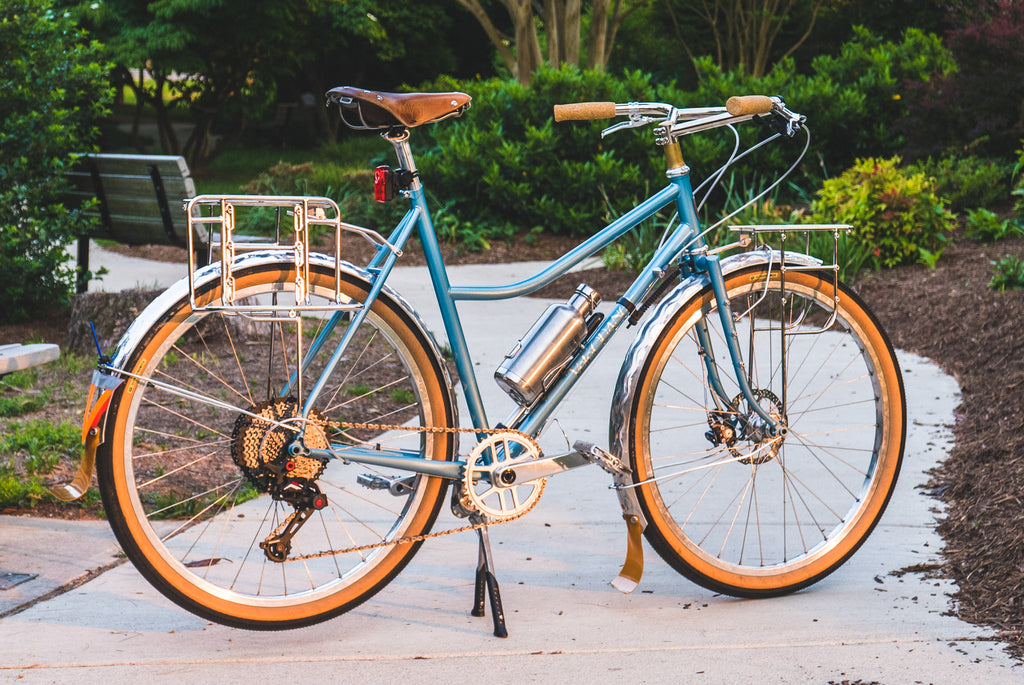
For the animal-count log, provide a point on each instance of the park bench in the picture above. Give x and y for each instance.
(139, 200)
(16, 357)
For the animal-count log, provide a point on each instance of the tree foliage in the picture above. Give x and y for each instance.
(225, 62)
(54, 90)
(980, 106)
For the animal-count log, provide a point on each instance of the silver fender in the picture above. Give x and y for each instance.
(625, 387)
(179, 290)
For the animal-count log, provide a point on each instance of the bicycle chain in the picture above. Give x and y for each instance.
(424, 536)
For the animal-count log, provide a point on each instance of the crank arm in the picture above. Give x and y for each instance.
(583, 453)
(540, 468)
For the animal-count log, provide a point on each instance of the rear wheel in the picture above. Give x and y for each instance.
(732, 508)
(197, 480)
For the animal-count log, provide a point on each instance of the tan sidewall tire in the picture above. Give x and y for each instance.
(750, 582)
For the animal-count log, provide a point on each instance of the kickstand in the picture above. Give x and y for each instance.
(487, 583)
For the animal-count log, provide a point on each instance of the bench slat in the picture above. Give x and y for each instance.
(137, 165)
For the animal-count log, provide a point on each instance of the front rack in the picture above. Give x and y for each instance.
(213, 219)
(760, 240)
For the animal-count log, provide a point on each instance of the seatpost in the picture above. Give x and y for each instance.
(399, 139)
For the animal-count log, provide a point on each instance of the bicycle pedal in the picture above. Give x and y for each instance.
(606, 460)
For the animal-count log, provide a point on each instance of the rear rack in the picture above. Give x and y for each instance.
(210, 214)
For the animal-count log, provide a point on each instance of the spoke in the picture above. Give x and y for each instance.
(828, 469)
(367, 394)
(195, 517)
(180, 468)
(203, 367)
(150, 403)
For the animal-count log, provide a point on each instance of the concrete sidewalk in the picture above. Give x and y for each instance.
(882, 617)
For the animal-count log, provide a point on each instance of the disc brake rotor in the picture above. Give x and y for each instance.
(761, 450)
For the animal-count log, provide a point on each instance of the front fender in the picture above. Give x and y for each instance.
(625, 387)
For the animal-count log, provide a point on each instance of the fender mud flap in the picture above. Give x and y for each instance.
(633, 567)
(68, 492)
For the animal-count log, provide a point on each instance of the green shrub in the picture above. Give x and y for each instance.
(30, 451)
(966, 182)
(54, 90)
(850, 98)
(985, 226)
(1008, 272)
(895, 212)
(506, 166)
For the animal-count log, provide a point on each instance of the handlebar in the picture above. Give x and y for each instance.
(678, 122)
(584, 111)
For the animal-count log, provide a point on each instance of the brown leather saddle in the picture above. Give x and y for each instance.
(372, 109)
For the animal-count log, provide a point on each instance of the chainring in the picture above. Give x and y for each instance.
(481, 495)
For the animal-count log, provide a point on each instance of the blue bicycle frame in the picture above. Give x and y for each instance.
(685, 243)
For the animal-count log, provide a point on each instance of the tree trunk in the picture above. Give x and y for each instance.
(495, 36)
(553, 23)
(571, 32)
(596, 56)
(168, 137)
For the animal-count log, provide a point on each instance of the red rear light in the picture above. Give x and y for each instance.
(383, 184)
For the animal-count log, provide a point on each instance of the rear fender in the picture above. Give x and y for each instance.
(107, 378)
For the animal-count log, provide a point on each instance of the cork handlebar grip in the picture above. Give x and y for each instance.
(581, 111)
(748, 104)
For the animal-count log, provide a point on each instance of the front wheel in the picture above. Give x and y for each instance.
(731, 507)
(195, 472)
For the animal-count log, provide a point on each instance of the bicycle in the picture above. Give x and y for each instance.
(275, 434)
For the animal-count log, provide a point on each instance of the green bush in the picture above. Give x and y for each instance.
(985, 226)
(1008, 272)
(54, 90)
(966, 182)
(507, 166)
(894, 211)
(850, 98)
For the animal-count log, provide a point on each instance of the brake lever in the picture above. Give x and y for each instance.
(636, 120)
(626, 124)
(782, 120)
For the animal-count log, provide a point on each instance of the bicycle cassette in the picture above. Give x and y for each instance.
(259, 444)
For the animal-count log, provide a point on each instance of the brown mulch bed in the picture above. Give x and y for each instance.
(948, 315)
(973, 333)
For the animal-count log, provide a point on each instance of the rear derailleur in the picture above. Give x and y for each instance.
(306, 497)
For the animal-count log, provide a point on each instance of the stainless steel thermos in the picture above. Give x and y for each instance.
(539, 357)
